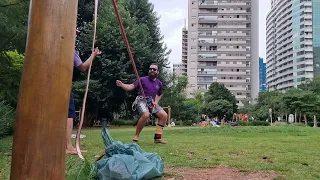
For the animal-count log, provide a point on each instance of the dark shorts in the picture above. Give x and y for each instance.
(72, 108)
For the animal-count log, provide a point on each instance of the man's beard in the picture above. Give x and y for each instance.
(152, 76)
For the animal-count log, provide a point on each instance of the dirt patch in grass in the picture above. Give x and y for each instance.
(216, 173)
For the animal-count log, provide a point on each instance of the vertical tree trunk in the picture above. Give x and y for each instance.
(295, 116)
(286, 118)
(39, 140)
(299, 117)
(305, 119)
(315, 123)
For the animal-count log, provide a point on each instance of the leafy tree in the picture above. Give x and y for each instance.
(174, 95)
(191, 110)
(105, 97)
(10, 75)
(299, 101)
(219, 108)
(220, 92)
(311, 85)
(13, 26)
(268, 100)
(144, 13)
(7, 115)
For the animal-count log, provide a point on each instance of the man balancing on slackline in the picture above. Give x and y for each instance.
(152, 88)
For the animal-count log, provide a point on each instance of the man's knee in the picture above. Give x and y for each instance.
(162, 114)
(145, 115)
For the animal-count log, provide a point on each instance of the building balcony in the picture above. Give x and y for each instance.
(233, 11)
(237, 89)
(207, 27)
(205, 12)
(242, 81)
(241, 96)
(231, 50)
(232, 34)
(206, 34)
(207, 50)
(204, 2)
(232, 27)
(231, 42)
(206, 73)
(207, 42)
(232, 57)
(241, 74)
(232, 65)
(205, 82)
(233, 19)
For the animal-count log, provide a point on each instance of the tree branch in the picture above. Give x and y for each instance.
(3, 47)
(12, 4)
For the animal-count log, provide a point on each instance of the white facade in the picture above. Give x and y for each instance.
(289, 44)
(178, 69)
(223, 45)
(184, 55)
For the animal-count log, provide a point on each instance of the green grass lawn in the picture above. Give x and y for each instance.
(292, 151)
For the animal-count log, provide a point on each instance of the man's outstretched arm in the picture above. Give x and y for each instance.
(126, 87)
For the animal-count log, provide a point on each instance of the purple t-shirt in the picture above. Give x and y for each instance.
(76, 60)
(150, 87)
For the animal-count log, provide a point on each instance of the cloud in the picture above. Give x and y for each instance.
(174, 42)
(171, 24)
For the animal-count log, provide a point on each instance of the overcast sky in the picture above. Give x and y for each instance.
(173, 14)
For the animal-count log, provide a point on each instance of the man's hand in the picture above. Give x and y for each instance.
(119, 83)
(154, 104)
(84, 66)
(96, 52)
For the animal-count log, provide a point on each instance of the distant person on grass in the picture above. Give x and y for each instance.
(72, 110)
(152, 88)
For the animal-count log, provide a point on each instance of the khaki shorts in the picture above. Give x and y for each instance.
(141, 107)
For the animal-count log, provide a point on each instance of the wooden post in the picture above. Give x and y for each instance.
(315, 123)
(169, 116)
(305, 119)
(41, 118)
(270, 115)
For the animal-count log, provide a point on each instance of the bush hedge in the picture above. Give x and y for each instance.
(122, 122)
(254, 123)
(7, 117)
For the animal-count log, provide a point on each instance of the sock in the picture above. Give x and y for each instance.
(159, 130)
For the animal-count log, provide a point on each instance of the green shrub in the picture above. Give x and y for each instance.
(258, 123)
(312, 123)
(244, 123)
(122, 122)
(7, 117)
(254, 123)
(187, 123)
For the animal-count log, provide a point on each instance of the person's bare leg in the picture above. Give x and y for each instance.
(160, 125)
(69, 148)
(141, 123)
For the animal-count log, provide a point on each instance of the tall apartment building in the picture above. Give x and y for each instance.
(178, 69)
(262, 75)
(223, 45)
(184, 56)
(293, 43)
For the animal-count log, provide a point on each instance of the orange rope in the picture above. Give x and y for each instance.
(88, 77)
(87, 86)
(128, 46)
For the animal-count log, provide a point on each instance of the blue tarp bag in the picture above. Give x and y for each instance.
(127, 161)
